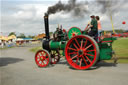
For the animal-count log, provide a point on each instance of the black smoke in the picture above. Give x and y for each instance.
(110, 6)
(81, 8)
(77, 8)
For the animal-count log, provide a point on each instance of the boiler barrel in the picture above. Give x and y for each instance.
(54, 45)
(57, 45)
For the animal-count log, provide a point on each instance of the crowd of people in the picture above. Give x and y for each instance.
(8, 43)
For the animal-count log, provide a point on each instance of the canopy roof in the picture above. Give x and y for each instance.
(7, 38)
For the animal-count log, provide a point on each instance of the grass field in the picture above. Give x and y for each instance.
(35, 49)
(120, 46)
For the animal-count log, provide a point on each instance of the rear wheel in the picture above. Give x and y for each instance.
(81, 52)
(42, 58)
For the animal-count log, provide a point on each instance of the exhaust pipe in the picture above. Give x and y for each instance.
(46, 23)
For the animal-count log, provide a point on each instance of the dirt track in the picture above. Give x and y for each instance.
(17, 67)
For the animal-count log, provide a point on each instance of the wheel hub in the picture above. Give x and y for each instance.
(80, 52)
(41, 58)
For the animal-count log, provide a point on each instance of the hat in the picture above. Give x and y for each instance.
(92, 16)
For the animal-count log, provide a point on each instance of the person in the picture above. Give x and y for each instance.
(99, 27)
(93, 26)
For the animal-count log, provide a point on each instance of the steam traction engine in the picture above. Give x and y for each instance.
(81, 51)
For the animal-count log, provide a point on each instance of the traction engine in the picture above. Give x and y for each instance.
(80, 50)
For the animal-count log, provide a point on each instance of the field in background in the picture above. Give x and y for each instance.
(120, 47)
(35, 49)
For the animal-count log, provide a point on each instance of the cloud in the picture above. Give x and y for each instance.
(28, 18)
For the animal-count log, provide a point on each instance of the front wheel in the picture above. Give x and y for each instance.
(81, 52)
(42, 58)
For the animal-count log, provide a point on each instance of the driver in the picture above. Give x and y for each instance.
(93, 26)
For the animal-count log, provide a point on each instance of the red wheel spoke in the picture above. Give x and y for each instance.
(43, 62)
(46, 60)
(72, 49)
(77, 59)
(74, 57)
(81, 44)
(39, 55)
(77, 42)
(88, 47)
(80, 61)
(89, 54)
(44, 57)
(90, 50)
(88, 59)
(73, 53)
(42, 53)
(84, 60)
(75, 46)
(85, 44)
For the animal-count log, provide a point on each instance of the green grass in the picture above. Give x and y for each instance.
(118, 61)
(120, 47)
(35, 49)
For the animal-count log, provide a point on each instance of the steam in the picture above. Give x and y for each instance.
(78, 9)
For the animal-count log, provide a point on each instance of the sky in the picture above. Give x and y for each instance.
(26, 16)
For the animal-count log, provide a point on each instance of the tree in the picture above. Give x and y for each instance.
(30, 36)
(12, 33)
(119, 30)
(22, 35)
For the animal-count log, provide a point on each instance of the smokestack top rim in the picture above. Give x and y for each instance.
(45, 15)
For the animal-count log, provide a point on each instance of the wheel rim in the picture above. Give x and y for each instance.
(55, 57)
(42, 58)
(81, 52)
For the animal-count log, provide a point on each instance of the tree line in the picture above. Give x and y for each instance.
(21, 35)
